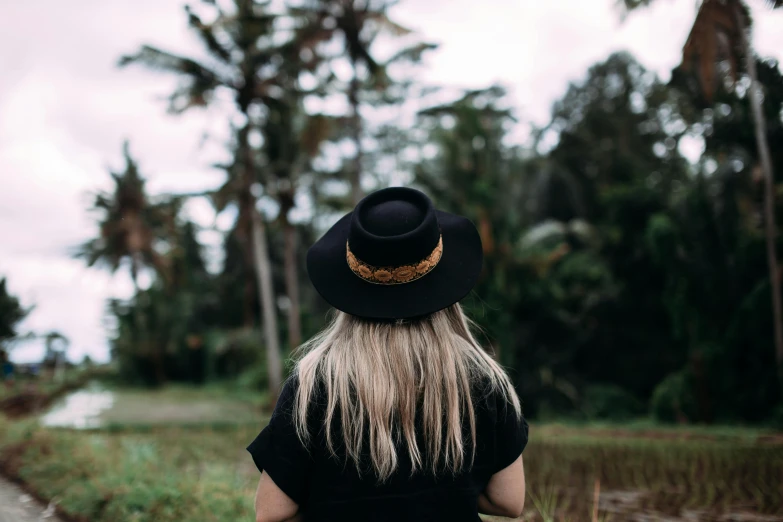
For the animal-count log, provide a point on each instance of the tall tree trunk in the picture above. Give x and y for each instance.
(356, 132)
(291, 281)
(263, 269)
(769, 187)
(248, 290)
(264, 272)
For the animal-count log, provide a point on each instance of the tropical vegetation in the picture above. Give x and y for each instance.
(623, 275)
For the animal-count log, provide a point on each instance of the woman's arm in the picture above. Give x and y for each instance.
(504, 495)
(272, 505)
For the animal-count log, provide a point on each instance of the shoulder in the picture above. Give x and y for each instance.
(288, 393)
(296, 394)
(490, 396)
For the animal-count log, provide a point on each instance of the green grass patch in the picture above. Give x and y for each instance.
(201, 472)
(160, 475)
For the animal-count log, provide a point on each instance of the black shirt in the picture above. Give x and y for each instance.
(329, 488)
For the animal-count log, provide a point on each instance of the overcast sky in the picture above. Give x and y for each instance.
(65, 110)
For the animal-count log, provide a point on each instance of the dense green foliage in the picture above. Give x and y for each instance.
(196, 319)
(620, 278)
(616, 274)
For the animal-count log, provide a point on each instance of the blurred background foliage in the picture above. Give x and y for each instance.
(620, 278)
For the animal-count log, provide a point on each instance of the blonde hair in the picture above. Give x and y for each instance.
(378, 376)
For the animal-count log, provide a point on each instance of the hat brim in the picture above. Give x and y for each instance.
(450, 281)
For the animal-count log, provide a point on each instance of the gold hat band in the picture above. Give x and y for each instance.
(394, 275)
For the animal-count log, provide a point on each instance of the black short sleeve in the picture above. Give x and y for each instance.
(278, 450)
(510, 434)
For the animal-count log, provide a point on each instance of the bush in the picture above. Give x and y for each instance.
(673, 400)
(610, 402)
(255, 377)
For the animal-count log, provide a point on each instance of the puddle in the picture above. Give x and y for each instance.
(80, 409)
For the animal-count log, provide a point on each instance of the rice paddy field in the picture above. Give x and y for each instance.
(198, 470)
(649, 475)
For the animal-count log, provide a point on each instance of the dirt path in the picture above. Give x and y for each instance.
(17, 506)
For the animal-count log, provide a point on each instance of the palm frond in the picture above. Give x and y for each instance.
(412, 53)
(102, 202)
(469, 98)
(199, 81)
(254, 26)
(386, 24)
(96, 252)
(630, 5)
(207, 34)
(159, 60)
(351, 24)
(189, 96)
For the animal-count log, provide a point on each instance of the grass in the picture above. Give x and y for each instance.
(182, 405)
(163, 474)
(137, 469)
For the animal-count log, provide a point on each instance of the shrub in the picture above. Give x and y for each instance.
(673, 400)
(610, 402)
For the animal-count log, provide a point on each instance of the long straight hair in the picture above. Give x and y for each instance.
(379, 376)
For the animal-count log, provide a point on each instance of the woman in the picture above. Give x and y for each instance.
(393, 412)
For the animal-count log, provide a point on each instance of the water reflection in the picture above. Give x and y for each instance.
(80, 409)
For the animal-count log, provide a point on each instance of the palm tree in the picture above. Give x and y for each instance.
(291, 139)
(721, 32)
(232, 40)
(283, 154)
(129, 226)
(358, 23)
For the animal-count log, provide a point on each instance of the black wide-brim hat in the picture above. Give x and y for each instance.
(396, 257)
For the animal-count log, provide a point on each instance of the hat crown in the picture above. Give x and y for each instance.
(392, 218)
(393, 227)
